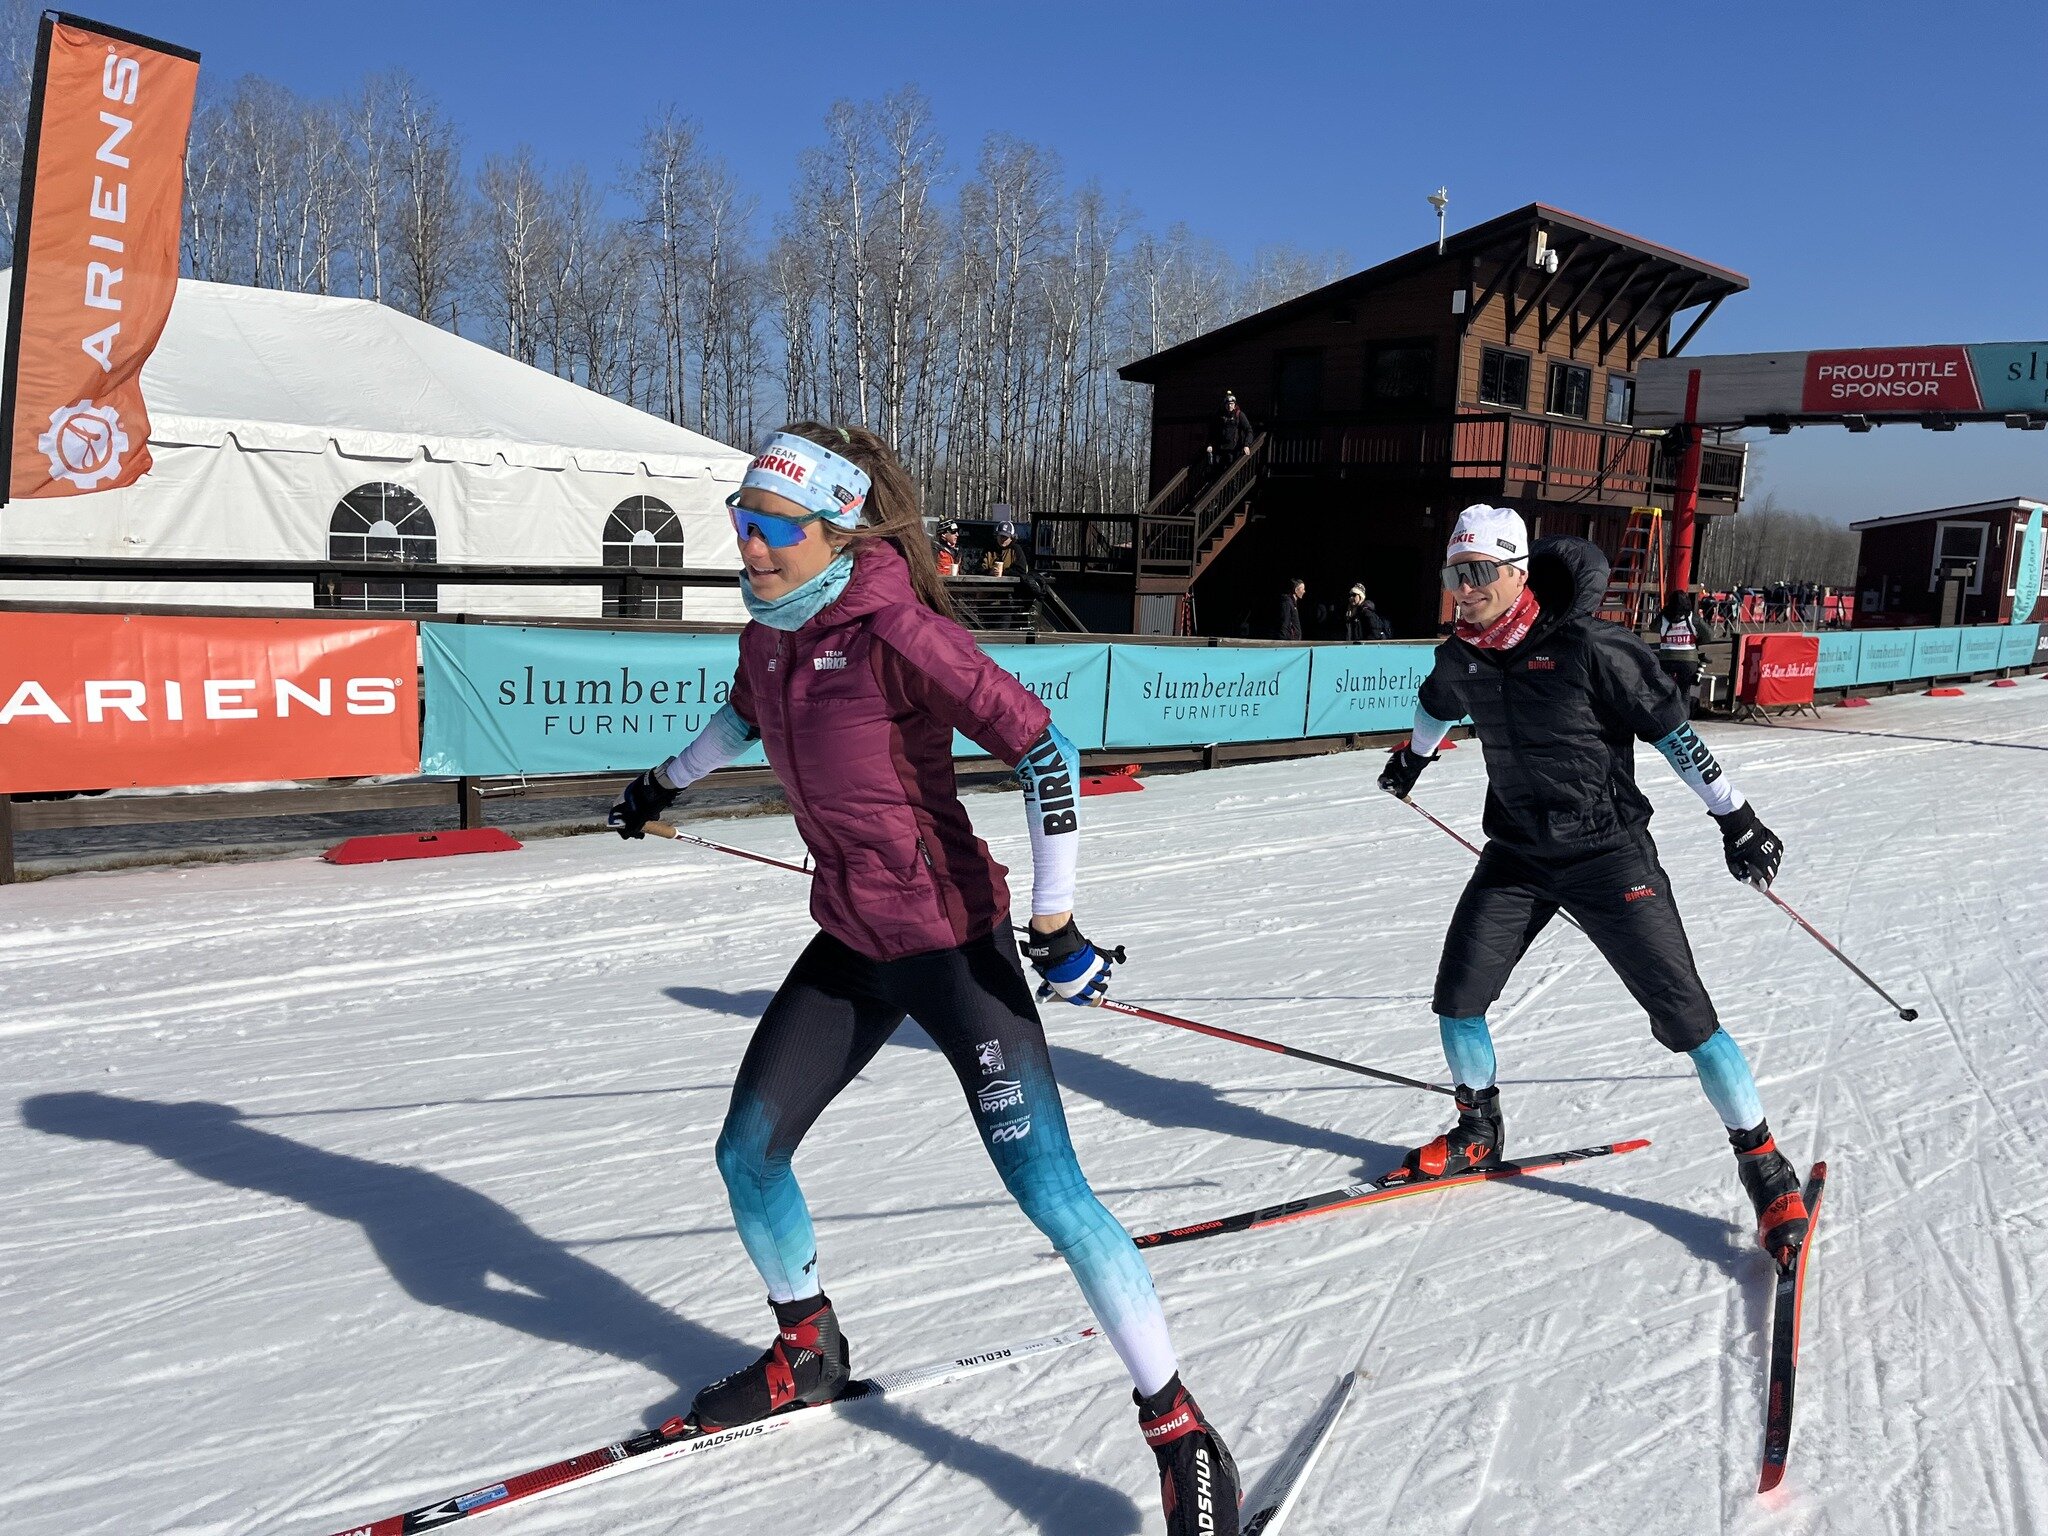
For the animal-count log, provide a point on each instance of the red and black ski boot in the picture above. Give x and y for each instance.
(808, 1364)
(1781, 1215)
(1473, 1143)
(1197, 1478)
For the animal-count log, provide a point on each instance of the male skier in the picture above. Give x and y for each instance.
(1559, 699)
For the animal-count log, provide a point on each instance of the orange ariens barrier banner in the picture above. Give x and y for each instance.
(102, 208)
(104, 701)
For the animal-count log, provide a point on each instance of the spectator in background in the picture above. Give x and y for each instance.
(1678, 645)
(1362, 621)
(1007, 558)
(1290, 608)
(1230, 439)
(947, 551)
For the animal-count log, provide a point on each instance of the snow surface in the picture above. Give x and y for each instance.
(331, 1191)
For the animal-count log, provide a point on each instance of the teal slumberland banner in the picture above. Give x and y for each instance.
(1070, 680)
(513, 699)
(1191, 696)
(1365, 688)
(1837, 667)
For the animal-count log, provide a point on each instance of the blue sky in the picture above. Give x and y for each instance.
(1873, 169)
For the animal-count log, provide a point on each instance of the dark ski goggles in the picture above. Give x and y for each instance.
(1473, 573)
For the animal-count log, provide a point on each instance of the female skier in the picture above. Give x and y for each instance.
(854, 677)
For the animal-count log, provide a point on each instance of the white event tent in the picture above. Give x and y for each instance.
(291, 426)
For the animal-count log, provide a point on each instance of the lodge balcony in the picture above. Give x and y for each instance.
(1506, 455)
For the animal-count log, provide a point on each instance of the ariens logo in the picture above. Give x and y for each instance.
(214, 698)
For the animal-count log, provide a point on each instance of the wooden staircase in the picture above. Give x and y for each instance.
(1184, 528)
(1635, 583)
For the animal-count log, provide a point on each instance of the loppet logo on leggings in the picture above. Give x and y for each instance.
(1000, 1094)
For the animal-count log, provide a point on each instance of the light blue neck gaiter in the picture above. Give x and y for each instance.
(795, 609)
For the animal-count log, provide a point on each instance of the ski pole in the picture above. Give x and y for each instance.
(1908, 1014)
(676, 834)
(1453, 833)
(1112, 1005)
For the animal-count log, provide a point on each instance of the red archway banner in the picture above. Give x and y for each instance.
(96, 268)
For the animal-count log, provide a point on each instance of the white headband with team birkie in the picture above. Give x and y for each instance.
(812, 476)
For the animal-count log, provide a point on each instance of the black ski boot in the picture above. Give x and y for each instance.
(1781, 1216)
(1473, 1143)
(1197, 1478)
(806, 1365)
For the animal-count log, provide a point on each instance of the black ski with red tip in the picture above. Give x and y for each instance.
(1389, 1186)
(1788, 1304)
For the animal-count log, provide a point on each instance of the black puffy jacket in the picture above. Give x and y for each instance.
(1558, 716)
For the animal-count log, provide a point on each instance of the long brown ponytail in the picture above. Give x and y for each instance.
(894, 511)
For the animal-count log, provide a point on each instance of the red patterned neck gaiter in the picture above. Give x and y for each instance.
(1507, 631)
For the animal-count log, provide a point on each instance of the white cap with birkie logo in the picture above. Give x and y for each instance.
(1497, 533)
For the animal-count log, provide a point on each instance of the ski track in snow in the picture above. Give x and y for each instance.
(331, 1191)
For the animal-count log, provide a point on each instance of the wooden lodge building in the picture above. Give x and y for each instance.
(1499, 369)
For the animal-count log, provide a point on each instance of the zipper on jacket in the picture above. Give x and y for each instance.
(926, 854)
(784, 646)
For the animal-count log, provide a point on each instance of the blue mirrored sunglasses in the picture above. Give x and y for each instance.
(775, 532)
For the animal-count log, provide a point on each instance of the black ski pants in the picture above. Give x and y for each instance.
(1621, 898)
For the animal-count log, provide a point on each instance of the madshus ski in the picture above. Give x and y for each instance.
(1788, 1303)
(653, 1446)
(1388, 1186)
(1266, 1511)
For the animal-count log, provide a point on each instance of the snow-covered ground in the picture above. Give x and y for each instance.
(328, 1191)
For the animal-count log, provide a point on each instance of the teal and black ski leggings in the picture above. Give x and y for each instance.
(829, 1018)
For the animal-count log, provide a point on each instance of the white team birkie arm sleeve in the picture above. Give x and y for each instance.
(1051, 771)
(1428, 733)
(724, 737)
(1694, 762)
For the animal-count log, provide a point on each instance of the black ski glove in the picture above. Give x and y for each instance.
(1069, 965)
(1753, 849)
(1404, 767)
(643, 800)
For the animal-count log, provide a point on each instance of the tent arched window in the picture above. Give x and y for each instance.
(644, 534)
(376, 522)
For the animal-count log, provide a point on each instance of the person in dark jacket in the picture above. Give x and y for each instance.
(1230, 435)
(1678, 642)
(1559, 700)
(1361, 620)
(1290, 609)
(854, 677)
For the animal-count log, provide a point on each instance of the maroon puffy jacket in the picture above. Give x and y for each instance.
(857, 711)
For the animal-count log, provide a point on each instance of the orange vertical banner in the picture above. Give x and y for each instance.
(96, 254)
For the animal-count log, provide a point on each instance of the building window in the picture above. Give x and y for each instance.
(1621, 398)
(1570, 392)
(1400, 373)
(1960, 541)
(1504, 379)
(646, 535)
(379, 522)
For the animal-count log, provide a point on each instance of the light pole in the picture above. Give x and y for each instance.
(1438, 200)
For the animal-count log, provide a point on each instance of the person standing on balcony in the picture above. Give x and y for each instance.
(1230, 439)
(1007, 558)
(854, 677)
(1559, 701)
